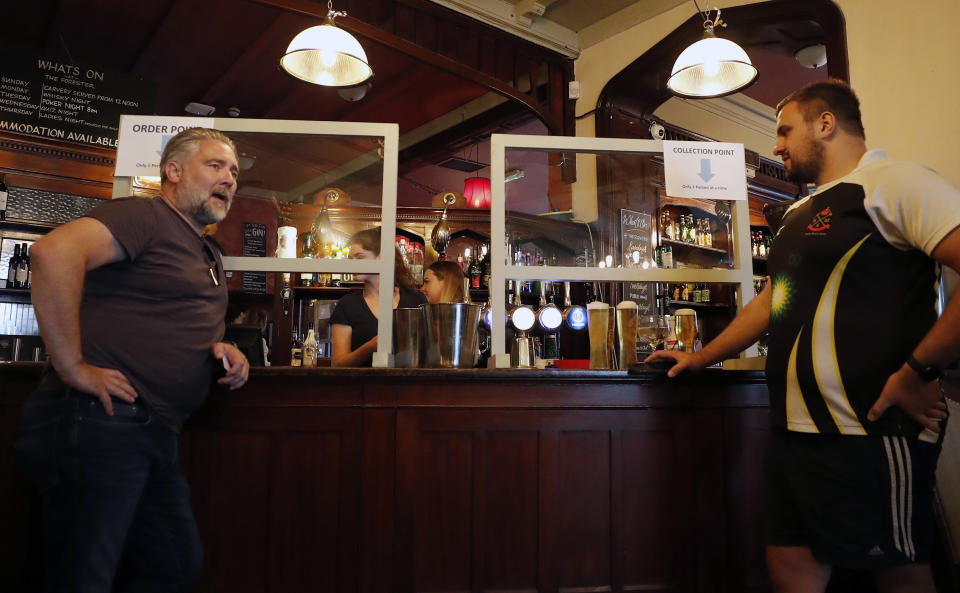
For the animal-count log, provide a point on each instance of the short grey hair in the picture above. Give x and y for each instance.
(185, 144)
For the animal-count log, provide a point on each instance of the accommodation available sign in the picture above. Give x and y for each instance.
(66, 101)
(143, 137)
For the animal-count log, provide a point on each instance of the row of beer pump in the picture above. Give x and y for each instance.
(544, 332)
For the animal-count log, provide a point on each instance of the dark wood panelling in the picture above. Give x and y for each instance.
(583, 509)
(744, 441)
(230, 476)
(506, 542)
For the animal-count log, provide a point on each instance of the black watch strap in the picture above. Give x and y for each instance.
(927, 372)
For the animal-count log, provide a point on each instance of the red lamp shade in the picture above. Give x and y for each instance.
(476, 190)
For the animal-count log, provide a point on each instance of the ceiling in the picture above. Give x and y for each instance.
(224, 53)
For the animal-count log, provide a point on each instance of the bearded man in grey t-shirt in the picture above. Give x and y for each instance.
(130, 300)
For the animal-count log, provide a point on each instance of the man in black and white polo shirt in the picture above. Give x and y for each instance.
(854, 354)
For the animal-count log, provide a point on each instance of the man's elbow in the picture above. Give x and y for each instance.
(39, 254)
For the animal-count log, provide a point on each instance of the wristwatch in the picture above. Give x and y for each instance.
(927, 372)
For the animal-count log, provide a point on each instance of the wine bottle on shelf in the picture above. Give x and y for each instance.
(25, 264)
(23, 267)
(12, 268)
(3, 198)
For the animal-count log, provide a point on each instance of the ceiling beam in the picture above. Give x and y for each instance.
(240, 68)
(521, 21)
(554, 123)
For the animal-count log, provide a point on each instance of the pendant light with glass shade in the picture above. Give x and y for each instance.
(327, 55)
(711, 67)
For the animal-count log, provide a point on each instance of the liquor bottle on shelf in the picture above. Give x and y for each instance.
(307, 251)
(485, 269)
(474, 270)
(323, 252)
(12, 268)
(296, 350)
(666, 224)
(685, 293)
(667, 256)
(3, 198)
(310, 348)
(416, 266)
(705, 294)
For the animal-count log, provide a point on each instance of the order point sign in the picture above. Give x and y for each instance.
(142, 139)
(706, 170)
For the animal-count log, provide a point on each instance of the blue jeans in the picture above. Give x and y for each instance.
(115, 505)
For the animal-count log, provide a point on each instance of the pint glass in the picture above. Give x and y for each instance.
(686, 329)
(598, 322)
(626, 334)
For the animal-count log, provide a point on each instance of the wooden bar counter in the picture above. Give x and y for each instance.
(382, 480)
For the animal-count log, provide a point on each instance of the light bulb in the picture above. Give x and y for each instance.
(328, 58)
(711, 68)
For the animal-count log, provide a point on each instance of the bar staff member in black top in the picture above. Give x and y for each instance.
(854, 353)
(354, 320)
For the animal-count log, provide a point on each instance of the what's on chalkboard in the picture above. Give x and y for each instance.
(635, 234)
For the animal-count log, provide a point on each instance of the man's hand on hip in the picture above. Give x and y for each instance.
(238, 369)
(101, 383)
(921, 401)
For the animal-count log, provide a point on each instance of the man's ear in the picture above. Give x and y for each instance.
(826, 125)
(174, 171)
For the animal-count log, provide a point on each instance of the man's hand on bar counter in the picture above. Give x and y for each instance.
(922, 401)
(683, 361)
(238, 369)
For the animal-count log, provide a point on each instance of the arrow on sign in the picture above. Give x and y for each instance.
(705, 173)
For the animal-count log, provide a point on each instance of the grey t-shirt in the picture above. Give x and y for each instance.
(155, 315)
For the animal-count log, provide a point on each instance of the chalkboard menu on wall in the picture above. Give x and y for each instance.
(635, 228)
(254, 245)
(66, 101)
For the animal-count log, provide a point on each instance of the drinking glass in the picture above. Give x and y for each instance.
(651, 333)
(598, 323)
(627, 331)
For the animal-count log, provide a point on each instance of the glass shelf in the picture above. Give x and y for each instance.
(686, 245)
(694, 305)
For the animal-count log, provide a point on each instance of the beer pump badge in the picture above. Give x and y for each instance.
(550, 318)
(577, 318)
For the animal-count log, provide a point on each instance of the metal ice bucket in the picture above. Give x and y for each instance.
(450, 335)
(407, 337)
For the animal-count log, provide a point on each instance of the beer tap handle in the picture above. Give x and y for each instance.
(566, 295)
